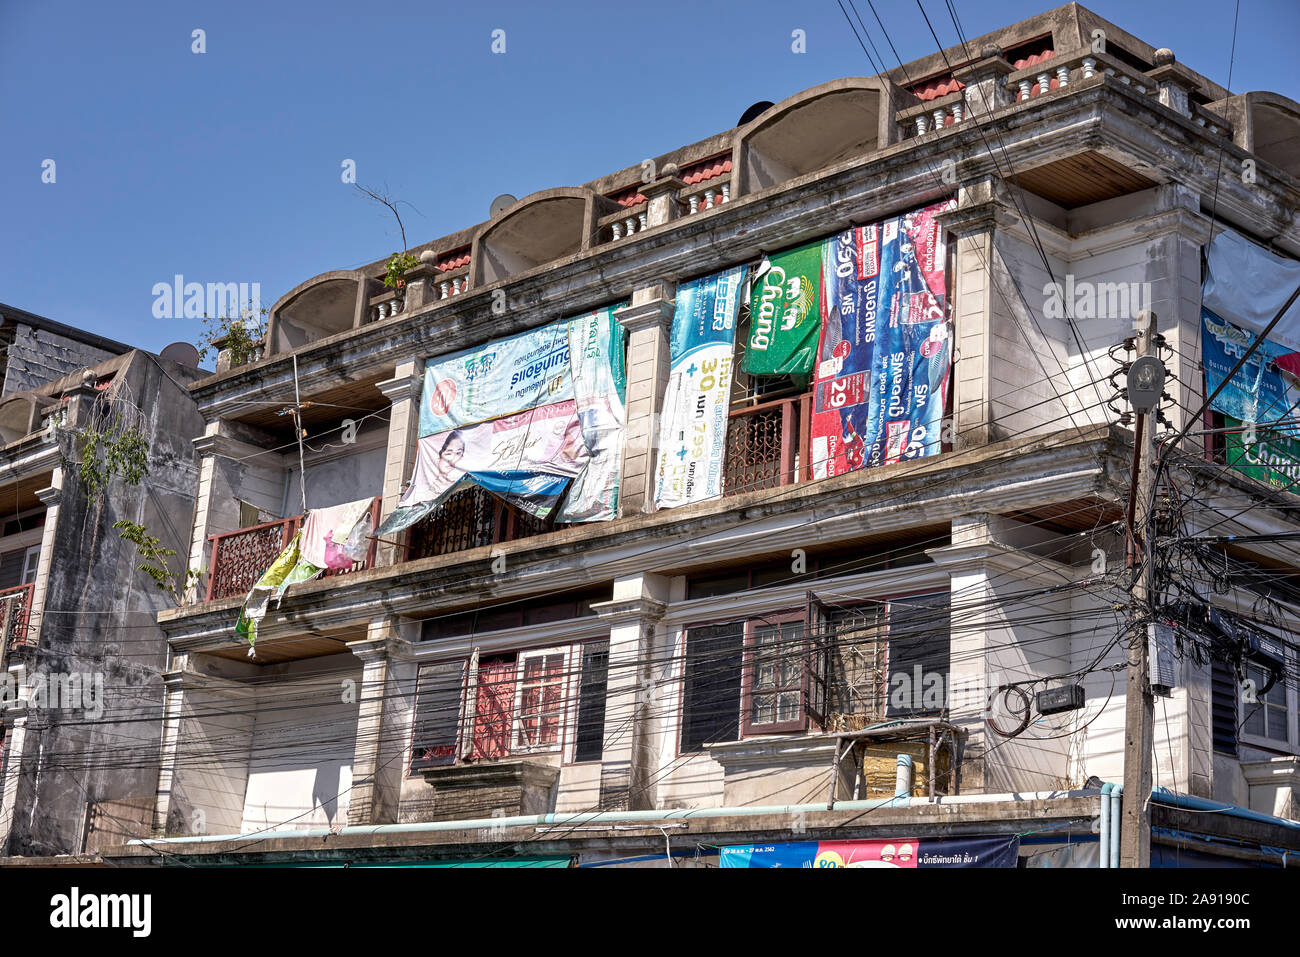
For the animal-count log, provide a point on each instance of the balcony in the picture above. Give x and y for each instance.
(239, 558)
(767, 445)
(471, 518)
(15, 614)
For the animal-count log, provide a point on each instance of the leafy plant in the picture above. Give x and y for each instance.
(398, 265)
(154, 559)
(241, 335)
(117, 449)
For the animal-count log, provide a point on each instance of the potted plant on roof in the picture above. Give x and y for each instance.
(398, 265)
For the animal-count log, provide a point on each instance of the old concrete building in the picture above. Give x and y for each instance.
(81, 654)
(488, 684)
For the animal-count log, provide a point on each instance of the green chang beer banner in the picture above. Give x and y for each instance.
(1271, 458)
(785, 313)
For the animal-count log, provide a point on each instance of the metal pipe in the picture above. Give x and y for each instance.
(598, 817)
(903, 777)
(1116, 807)
(1103, 856)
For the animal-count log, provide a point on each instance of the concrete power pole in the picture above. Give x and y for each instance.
(1145, 386)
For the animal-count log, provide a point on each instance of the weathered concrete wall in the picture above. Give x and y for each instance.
(341, 473)
(100, 620)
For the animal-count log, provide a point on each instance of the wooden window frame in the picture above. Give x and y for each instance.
(748, 676)
(518, 714)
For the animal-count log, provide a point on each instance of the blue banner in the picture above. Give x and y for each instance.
(1268, 386)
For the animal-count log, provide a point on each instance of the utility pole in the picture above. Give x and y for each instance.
(1145, 387)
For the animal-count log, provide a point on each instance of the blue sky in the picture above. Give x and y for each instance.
(225, 166)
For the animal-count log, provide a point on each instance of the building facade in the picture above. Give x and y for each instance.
(807, 640)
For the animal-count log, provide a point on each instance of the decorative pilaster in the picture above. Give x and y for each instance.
(377, 765)
(648, 321)
(629, 762)
(403, 392)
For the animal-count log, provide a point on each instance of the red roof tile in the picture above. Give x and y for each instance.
(933, 89)
(706, 169)
(1034, 60)
(454, 260)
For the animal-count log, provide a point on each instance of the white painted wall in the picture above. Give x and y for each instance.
(301, 749)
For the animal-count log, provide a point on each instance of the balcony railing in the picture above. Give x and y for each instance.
(239, 558)
(471, 518)
(15, 615)
(767, 445)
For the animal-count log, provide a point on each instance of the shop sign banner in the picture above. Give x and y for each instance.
(1268, 386)
(885, 350)
(907, 852)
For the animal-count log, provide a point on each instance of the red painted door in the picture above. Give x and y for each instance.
(494, 712)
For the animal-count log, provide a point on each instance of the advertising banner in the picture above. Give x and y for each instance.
(499, 378)
(894, 852)
(524, 417)
(528, 459)
(885, 349)
(599, 387)
(1268, 386)
(785, 313)
(693, 428)
(1263, 454)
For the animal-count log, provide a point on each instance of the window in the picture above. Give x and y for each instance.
(775, 676)
(752, 676)
(438, 698)
(541, 700)
(483, 709)
(590, 742)
(1267, 717)
(711, 695)
(31, 561)
(919, 654)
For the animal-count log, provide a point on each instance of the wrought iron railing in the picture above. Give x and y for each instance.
(767, 445)
(471, 518)
(15, 616)
(239, 558)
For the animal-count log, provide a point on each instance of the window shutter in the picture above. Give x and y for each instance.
(438, 696)
(817, 658)
(591, 702)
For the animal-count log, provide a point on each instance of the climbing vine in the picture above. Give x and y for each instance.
(154, 557)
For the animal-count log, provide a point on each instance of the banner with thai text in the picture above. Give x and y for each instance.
(886, 349)
(906, 853)
(526, 418)
(499, 378)
(693, 427)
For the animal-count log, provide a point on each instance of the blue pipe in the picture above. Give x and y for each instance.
(1167, 797)
(1103, 854)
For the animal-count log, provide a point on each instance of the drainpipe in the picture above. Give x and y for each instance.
(903, 780)
(1116, 807)
(1103, 856)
